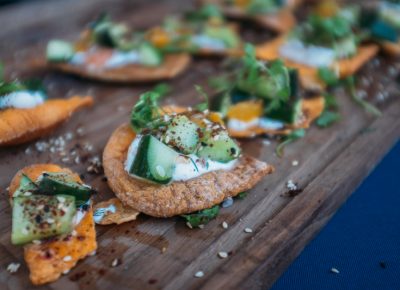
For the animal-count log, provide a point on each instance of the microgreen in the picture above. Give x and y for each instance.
(201, 217)
(293, 136)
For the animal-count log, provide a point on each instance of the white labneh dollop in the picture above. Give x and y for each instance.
(311, 55)
(186, 166)
(22, 100)
(263, 122)
(205, 41)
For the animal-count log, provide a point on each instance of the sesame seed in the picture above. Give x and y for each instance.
(67, 258)
(248, 230)
(199, 274)
(223, 255)
(295, 163)
(189, 225)
(13, 267)
(36, 242)
(334, 270)
(225, 225)
(50, 220)
(201, 226)
(28, 193)
(115, 263)
(66, 272)
(291, 185)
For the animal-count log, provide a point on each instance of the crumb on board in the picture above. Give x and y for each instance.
(13, 267)
(334, 270)
(223, 255)
(248, 230)
(225, 225)
(199, 274)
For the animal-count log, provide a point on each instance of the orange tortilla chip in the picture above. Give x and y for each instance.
(391, 48)
(312, 109)
(180, 197)
(309, 75)
(173, 65)
(46, 261)
(22, 125)
(121, 215)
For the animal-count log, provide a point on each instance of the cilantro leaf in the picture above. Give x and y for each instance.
(146, 112)
(327, 118)
(296, 134)
(328, 76)
(201, 217)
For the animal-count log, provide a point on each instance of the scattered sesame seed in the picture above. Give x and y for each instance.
(295, 163)
(28, 193)
(199, 274)
(92, 253)
(334, 270)
(223, 255)
(189, 225)
(66, 272)
(67, 258)
(266, 142)
(50, 220)
(115, 262)
(225, 225)
(13, 267)
(248, 230)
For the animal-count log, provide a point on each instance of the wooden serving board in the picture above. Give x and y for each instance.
(164, 253)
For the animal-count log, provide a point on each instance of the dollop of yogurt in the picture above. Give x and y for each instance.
(186, 166)
(205, 41)
(311, 55)
(22, 100)
(266, 123)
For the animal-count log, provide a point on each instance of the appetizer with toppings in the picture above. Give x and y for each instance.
(328, 39)
(383, 24)
(109, 51)
(203, 32)
(173, 161)
(264, 98)
(52, 219)
(275, 15)
(26, 113)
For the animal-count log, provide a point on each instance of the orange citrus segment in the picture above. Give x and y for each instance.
(246, 111)
(158, 37)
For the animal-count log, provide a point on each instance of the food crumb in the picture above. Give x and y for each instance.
(295, 163)
(248, 230)
(199, 274)
(189, 225)
(13, 267)
(334, 270)
(291, 185)
(223, 255)
(225, 225)
(115, 262)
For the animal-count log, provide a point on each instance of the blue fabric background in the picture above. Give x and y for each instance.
(362, 240)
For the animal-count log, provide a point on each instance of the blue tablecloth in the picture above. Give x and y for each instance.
(362, 241)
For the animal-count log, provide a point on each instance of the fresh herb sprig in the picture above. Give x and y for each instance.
(146, 112)
(330, 115)
(195, 220)
(293, 136)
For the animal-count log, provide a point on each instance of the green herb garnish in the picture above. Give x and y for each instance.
(205, 105)
(242, 195)
(201, 217)
(330, 115)
(293, 136)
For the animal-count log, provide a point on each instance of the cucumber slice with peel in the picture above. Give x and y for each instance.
(59, 51)
(26, 187)
(154, 160)
(41, 216)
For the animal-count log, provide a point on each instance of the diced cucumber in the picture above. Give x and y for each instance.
(220, 148)
(288, 113)
(346, 47)
(52, 183)
(224, 33)
(154, 160)
(384, 31)
(182, 134)
(294, 83)
(108, 34)
(59, 51)
(149, 55)
(26, 187)
(41, 216)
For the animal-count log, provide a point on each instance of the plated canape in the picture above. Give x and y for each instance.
(109, 51)
(26, 113)
(383, 24)
(177, 161)
(275, 15)
(203, 32)
(329, 39)
(265, 98)
(52, 219)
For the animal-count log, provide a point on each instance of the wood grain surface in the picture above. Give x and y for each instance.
(164, 253)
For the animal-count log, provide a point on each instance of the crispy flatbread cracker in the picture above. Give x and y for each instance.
(22, 125)
(172, 65)
(309, 75)
(46, 261)
(312, 109)
(176, 198)
(280, 22)
(112, 211)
